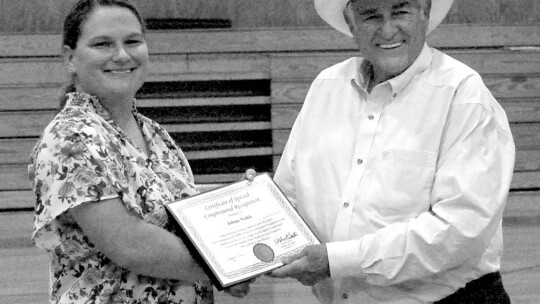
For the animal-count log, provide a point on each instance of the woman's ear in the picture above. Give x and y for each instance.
(69, 54)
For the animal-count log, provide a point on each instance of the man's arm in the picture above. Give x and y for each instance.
(473, 176)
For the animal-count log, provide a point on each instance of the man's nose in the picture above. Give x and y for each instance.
(388, 29)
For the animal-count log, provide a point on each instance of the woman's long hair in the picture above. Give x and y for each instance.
(73, 26)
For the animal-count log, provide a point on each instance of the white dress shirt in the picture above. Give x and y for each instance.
(406, 184)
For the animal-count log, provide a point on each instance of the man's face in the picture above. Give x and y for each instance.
(389, 33)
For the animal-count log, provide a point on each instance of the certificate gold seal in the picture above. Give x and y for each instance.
(263, 252)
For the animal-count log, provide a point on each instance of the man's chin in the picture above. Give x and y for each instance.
(391, 67)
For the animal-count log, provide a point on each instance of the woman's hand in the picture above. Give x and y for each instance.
(239, 290)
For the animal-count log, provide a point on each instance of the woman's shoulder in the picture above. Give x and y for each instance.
(157, 130)
(76, 123)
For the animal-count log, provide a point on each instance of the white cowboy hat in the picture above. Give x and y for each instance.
(331, 11)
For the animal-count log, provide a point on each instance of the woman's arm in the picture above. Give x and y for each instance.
(132, 243)
(136, 245)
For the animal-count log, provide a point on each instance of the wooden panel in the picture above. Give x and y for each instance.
(522, 204)
(24, 124)
(16, 151)
(46, 98)
(226, 153)
(284, 114)
(329, 39)
(525, 180)
(25, 272)
(33, 71)
(218, 127)
(50, 71)
(25, 199)
(291, 91)
(513, 87)
(502, 87)
(14, 177)
(520, 262)
(10, 200)
(207, 67)
(526, 135)
(496, 12)
(526, 138)
(46, 15)
(519, 204)
(308, 66)
(521, 110)
(32, 124)
(278, 40)
(526, 160)
(29, 16)
(29, 98)
(26, 267)
(210, 101)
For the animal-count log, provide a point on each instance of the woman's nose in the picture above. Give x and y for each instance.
(120, 54)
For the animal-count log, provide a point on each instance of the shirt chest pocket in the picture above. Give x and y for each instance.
(403, 180)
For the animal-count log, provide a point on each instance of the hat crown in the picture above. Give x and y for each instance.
(331, 11)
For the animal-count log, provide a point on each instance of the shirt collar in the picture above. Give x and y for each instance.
(91, 102)
(363, 77)
(421, 63)
(398, 83)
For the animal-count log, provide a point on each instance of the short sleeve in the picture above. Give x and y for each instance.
(73, 164)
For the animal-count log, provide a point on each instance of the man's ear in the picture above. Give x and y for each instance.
(347, 18)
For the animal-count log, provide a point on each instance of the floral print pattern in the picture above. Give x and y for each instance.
(84, 157)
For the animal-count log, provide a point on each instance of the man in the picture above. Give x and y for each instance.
(401, 162)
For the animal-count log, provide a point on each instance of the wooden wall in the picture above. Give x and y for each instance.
(266, 74)
(45, 16)
(242, 89)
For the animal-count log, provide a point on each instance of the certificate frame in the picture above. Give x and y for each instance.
(241, 230)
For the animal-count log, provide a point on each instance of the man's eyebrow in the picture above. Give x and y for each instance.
(401, 5)
(369, 11)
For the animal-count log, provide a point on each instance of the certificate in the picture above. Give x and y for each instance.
(242, 230)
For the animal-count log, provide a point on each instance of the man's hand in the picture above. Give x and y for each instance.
(309, 266)
(239, 290)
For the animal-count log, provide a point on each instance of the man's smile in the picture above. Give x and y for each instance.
(389, 45)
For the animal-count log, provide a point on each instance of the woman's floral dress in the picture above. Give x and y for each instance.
(84, 157)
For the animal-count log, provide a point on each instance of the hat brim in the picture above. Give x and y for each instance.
(331, 11)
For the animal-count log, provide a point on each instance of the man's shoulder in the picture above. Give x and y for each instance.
(447, 70)
(346, 69)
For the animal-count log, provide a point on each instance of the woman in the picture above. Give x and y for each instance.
(102, 173)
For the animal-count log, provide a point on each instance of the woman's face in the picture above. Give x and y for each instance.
(111, 57)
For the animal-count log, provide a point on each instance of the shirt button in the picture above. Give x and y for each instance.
(371, 117)
(345, 296)
(346, 205)
(360, 161)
